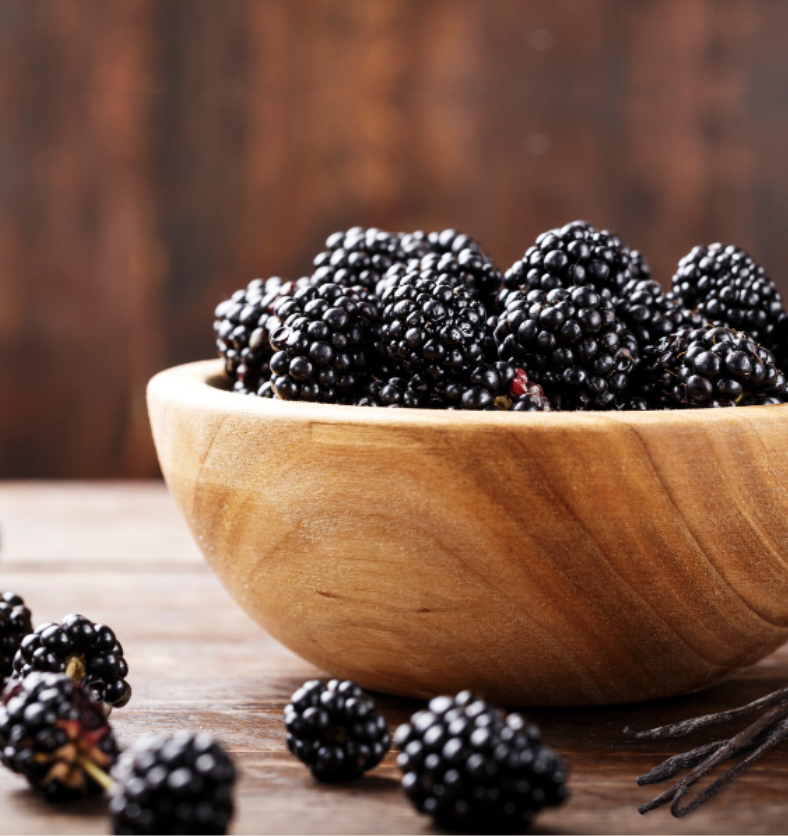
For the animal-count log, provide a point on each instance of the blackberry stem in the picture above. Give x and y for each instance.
(96, 772)
(75, 668)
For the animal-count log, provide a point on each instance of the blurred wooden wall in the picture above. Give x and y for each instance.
(157, 154)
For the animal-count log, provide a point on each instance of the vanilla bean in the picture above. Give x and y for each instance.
(687, 727)
(740, 742)
(777, 735)
(669, 768)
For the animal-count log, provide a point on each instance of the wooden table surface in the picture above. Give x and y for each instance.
(119, 553)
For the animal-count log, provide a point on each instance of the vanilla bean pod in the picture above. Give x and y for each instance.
(777, 734)
(762, 735)
(687, 727)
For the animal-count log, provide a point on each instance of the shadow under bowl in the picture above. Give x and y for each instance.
(539, 559)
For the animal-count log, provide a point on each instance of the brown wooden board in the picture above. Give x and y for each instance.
(198, 662)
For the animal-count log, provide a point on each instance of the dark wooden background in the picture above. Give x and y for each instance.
(157, 154)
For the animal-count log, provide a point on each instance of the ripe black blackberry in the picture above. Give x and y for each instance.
(324, 347)
(419, 244)
(358, 257)
(574, 255)
(88, 653)
(335, 730)
(243, 325)
(471, 767)
(15, 624)
(638, 266)
(54, 734)
(571, 343)
(651, 314)
(181, 784)
(435, 329)
(709, 367)
(728, 287)
(411, 392)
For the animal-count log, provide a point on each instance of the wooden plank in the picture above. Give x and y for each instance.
(198, 662)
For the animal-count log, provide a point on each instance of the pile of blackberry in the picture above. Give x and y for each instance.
(88, 653)
(182, 784)
(15, 624)
(712, 366)
(336, 730)
(427, 321)
(54, 734)
(471, 767)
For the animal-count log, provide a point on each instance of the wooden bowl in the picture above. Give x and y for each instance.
(540, 559)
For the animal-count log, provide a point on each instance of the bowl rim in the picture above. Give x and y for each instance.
(199, 384)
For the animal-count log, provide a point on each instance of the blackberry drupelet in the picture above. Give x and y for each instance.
(651, 314)
(574, 255)
(181, 784)
(435, 329)
(528, 396)
(471, 767)
(54, 734)
(15, 624)
(335, 730)
(571, 343)
(88, 653)
(710, 367)
(638, 266)
(358, 257)
(728, 287)
(324, 346)
(243, 325)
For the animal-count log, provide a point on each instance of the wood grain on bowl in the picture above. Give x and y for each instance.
(542, 559)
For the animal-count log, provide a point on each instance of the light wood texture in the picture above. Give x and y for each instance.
(540, 559)
(198, 662)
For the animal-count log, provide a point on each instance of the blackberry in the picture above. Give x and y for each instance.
(710, 367)
(323, 346)
(335, 730)
(730, 288)
(571, 343)
(243, 325)
(651, 314)
(88, 653)
(459, 257)
(471, 767)
(181, 784)
(435, 329)
(411, 392)
(15, 624)
(638, 266)
(358, 257)
(54, 734)
(574, 255)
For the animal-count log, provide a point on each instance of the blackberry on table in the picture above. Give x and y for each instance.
(323, 346)
(180, 784)
(336, 730)
(54, 734)
(15, 624)
(710, 367)
(470, 766)
(728, 287)
(651, 314)
(243, 325)
(574, 255)
(358, 257)
(435, 329)
(88, 653)
(571, 343)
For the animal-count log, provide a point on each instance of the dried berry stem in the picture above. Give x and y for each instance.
(96, 773)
